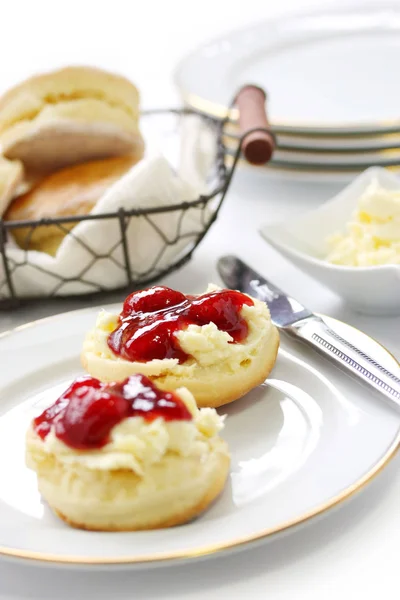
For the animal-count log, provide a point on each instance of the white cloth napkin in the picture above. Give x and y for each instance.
(91, 257)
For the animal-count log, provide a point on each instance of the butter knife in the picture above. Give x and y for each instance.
(296, 320)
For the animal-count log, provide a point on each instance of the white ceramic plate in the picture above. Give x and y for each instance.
(329, 71)
(338, 145)
(300, 444)
(303, 240)
(304, 162)
(318, 159)
(298, 173)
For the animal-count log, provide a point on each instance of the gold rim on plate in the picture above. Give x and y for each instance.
(389, 140)
(213, 548)
(298, 171)
(231, 140)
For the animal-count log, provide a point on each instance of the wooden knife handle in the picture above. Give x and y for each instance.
(257, 146)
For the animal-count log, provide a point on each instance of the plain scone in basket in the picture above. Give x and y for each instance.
(147, 223)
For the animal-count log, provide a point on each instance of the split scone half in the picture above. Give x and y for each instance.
(127, 456)
(72, 191)
(11, 176)
(70, 116)
(219, 345)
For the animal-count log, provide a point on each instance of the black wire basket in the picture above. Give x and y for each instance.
(173, 250)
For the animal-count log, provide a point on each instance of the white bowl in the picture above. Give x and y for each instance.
(371, 290)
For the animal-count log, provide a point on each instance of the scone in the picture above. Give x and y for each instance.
(219, 345)
(11, 176)
(69, 116)
(127, 456)
(72, 191)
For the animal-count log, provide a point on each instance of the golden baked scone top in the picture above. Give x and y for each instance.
(11, 176)
(71, 191)
(26, 100)
(69, 116)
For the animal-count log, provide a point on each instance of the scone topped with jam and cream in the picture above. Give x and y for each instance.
(219, 345)
(127, 456)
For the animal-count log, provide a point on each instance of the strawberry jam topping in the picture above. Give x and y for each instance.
(87, 411)
(151, 318)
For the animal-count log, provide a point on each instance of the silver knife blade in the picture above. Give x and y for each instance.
(293, 318)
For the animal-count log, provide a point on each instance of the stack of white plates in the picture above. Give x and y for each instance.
(332, 80)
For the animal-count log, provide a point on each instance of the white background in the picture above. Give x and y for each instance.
(351, 553)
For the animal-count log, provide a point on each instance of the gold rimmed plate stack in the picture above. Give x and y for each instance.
(332, 87)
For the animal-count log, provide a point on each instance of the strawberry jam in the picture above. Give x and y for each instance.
(87, 411)
(151, 318)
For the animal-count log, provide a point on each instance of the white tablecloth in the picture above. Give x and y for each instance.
(351, 552)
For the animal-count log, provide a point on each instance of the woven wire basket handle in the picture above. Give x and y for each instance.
(257, 140)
